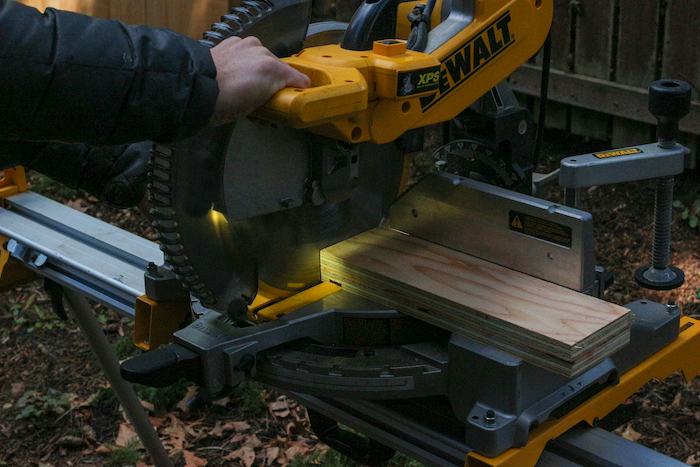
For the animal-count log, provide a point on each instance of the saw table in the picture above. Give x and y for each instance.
(244, 212)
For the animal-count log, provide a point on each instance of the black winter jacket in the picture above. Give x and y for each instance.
(69, 77)
(66, 77)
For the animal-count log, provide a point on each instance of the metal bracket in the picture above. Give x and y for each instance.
(27, 255)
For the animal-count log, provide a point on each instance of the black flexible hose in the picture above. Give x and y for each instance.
(420, 26)
(544, 91)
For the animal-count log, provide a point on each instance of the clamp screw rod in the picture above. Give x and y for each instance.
(663, 213)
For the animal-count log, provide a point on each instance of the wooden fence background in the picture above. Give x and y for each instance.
(605, 53)
(189, 17)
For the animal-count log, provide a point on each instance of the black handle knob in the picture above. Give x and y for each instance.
(669, 101)
(162, 367)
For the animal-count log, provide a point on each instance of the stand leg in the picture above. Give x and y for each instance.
(110, 366)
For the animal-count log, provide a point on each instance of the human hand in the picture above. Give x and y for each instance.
(248, 75)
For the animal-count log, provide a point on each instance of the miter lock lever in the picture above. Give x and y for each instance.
(358, 448)
(669, 101)
(163, 367)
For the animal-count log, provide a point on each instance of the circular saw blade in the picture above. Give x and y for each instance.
(230, 205)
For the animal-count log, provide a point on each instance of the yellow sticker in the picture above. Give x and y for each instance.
(541, 228)
(516, 224)
(618, 152)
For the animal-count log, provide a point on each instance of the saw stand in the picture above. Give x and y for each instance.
(80, 257)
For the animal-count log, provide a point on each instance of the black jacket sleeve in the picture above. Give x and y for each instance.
(73, 78)
(116, 174)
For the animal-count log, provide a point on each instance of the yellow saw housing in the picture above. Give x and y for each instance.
(377, 95)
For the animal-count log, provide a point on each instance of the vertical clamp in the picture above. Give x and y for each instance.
(669, 101)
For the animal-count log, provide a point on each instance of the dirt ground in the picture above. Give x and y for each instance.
(56, 409)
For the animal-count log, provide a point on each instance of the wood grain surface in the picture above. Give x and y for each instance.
(540, 322)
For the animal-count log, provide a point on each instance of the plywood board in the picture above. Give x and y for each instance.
(542, 323)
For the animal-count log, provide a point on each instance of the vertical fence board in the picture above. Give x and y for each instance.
(202, 15)
(157, 13)
(99, 8)
(594, 31)
(636, 62)
(636, 57)
(180, 15)
(593, 56)
(630, 133)
(562, 59)
(38, 4)
(129, 11)
(681, 55)
(561, 35)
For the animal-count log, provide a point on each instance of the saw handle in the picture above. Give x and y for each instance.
(334, 92)
(360, 449)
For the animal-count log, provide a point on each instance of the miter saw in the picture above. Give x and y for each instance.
(243, 210)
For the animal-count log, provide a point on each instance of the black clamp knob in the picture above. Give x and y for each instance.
(669, 101)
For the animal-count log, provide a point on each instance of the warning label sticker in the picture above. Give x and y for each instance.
(540, 228)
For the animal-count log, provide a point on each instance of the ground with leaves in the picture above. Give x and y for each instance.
(57, 409)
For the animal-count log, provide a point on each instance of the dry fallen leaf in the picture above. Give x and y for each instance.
(298, 448)
(148, 406)
(630, 434)
(676, 404)
(78, 204)
(220, 428)
(70, 441)
(279, 408)
(157, 422)
(222, 402)
(126, 434)
(191, 460)
(693, 459)
(271, 455)
(17, 389)
(245, 454)
(89, 432)
(182, 405)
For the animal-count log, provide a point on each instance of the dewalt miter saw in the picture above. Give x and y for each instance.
(242, 212)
